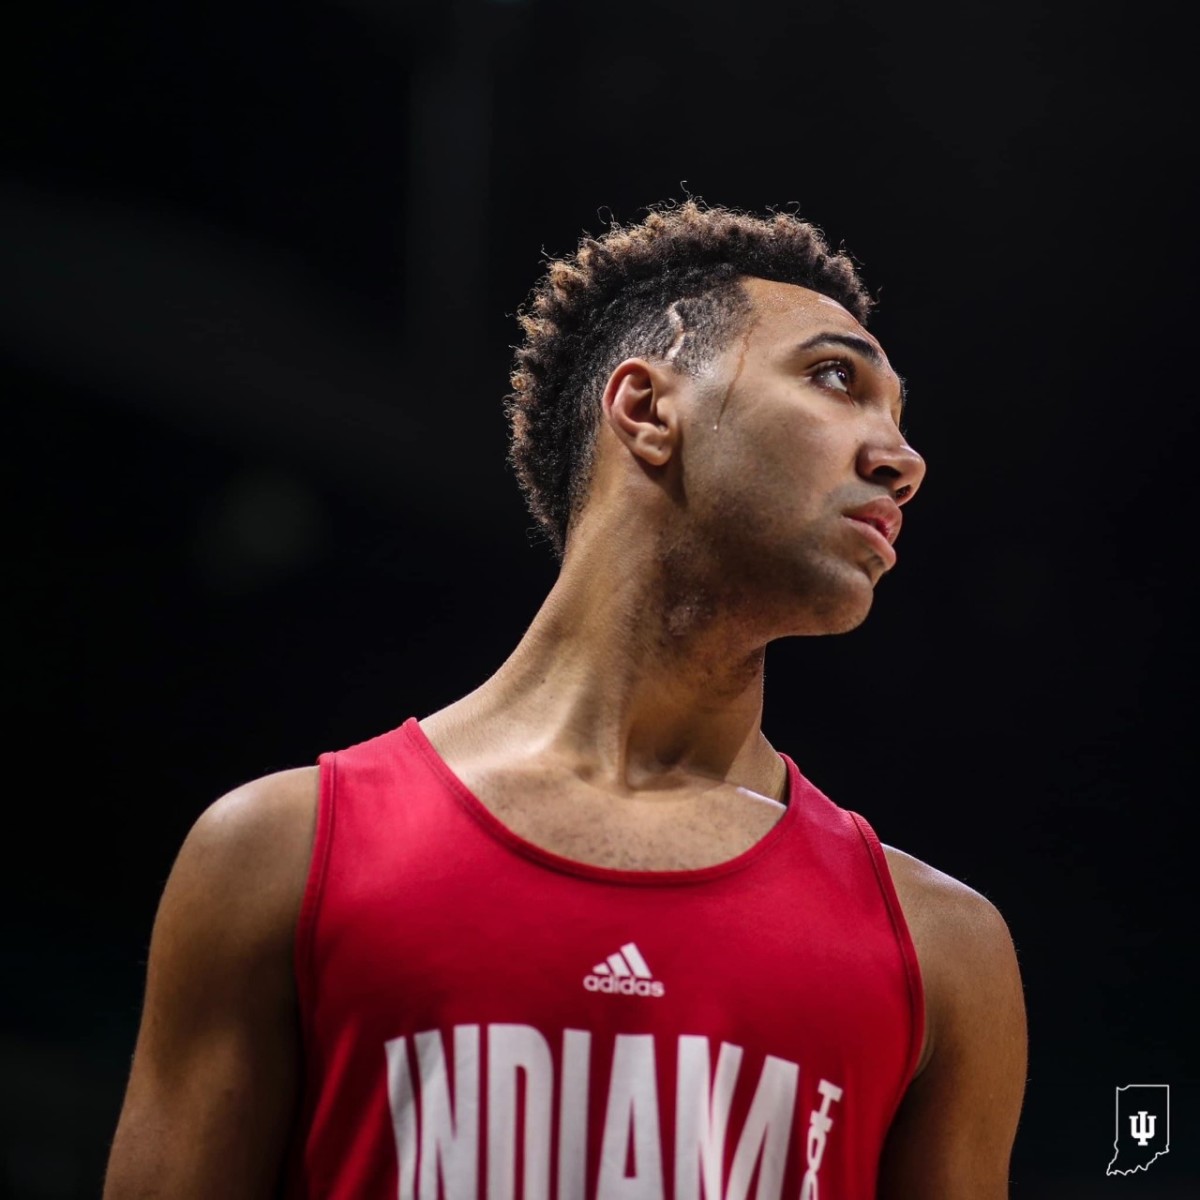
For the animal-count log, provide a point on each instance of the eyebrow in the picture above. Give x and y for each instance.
(860, 346)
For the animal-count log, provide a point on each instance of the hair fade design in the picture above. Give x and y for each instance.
(634, 291)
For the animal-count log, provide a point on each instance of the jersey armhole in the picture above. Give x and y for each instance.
(908, 951)
(305, 960)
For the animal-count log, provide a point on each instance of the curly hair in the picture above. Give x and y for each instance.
(639, 290)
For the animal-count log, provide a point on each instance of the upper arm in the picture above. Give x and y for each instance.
(215, 1071)
(952, 1138)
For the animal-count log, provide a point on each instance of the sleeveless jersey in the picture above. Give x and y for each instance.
(486, 1020)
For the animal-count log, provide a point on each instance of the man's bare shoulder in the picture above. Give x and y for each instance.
(940, 902)
(215, 1073)
(953, 1133)
(268, 807)
(250, 849)
(963, 944)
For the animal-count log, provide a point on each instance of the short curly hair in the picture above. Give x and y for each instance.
(633, 291)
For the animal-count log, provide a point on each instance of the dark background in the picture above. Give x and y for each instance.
(259, 267)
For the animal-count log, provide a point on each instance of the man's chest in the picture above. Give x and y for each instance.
(670, 829)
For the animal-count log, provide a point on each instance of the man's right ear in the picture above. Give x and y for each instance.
(639, 405)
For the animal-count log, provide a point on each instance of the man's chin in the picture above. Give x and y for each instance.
(849, 623)
(839, 614)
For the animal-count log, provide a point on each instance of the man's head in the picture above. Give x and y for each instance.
(671, 282)
(691, 328)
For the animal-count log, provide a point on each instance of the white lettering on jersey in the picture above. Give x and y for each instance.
(702, 1116)
(513, 1048)
(768, 1130)
(404, 1113)
(436, 1128)
(449, 1131)
(573, 1114)
(631, 1124)
(819, 1125)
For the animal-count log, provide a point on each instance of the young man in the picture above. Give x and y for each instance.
(585, 932)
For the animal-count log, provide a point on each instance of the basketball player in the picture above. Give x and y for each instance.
(585, 933)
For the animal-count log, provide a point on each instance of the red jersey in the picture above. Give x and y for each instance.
(485, 1020)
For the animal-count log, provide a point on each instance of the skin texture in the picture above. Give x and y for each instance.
(623, 730)
(215, 1072)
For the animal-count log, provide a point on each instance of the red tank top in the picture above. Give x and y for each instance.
(484, 1020)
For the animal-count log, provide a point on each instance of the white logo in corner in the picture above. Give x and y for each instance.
(1143, 1127)
(624, 973)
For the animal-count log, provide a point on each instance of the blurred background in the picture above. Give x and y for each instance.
(260, 264)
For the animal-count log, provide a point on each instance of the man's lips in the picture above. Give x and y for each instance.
(880, 523)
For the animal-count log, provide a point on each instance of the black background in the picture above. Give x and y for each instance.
(259, 268)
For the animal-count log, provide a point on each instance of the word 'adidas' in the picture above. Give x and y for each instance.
(624, 973)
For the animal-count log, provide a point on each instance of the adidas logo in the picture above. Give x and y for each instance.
(625, 973)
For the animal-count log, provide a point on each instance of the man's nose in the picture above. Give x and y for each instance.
(895, 464)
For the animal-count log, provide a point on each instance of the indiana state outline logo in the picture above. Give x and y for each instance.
(1143, 1130)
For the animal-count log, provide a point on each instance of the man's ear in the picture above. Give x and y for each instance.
(639, 406)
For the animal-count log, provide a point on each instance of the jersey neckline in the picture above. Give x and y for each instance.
(496, 828)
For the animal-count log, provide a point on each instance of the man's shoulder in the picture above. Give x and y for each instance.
(215, 1073)
(950, 921)
(963, 943)
(262, 808)
(245, 860)
(931, 895)
(259, 814)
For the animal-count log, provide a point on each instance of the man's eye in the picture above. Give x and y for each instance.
(838, 375)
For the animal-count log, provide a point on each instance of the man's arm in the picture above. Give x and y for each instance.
(953, 1135)
(215, 1072)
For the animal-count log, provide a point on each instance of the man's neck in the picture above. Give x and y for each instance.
(628, 683)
